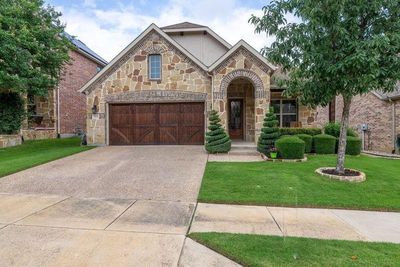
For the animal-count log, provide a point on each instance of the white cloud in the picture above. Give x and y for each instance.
(107, 32)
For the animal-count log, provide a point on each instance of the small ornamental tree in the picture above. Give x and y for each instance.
(334, 48)
(217, 141)
(269, 132)
(32, 52)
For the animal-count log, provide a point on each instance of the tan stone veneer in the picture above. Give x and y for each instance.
(128, 82)
(243, 65)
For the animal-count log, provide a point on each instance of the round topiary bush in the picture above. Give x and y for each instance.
(11, 112)
(353, 146)
(217, 141)
(307, 140)
(290, 147)
(324, 144)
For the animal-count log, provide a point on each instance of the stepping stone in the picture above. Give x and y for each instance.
(234, 219)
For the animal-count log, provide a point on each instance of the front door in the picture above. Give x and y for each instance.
(236, 118)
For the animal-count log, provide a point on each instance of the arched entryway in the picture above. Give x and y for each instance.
(240, 110)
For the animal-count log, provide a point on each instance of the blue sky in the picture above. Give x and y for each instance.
(107, 26)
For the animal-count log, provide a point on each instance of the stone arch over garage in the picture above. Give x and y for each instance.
(259, 91)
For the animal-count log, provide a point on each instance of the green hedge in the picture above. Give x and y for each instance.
(324, 144)
(334, 130)
(294, 131)
(353, 146)
(290, 147)
(12, 112)
(307, 140)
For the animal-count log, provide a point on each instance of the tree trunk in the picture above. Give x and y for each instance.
(343, 135)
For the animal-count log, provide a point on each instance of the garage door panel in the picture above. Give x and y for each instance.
(169, 135)
(165, 124)
(144, 135)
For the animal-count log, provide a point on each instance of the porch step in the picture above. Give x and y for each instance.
(244, 149)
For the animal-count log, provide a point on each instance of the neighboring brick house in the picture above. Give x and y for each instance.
(379, 111)
(62, 112)
(161, 87)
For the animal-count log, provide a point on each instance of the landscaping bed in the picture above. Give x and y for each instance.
(33, 153)
(257, 250)
(297, 184)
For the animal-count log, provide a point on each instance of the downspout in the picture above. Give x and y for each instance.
(58, 112)
(393, 124)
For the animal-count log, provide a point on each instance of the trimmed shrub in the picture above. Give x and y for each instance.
(294, 131)
(217, 141)
(334, 130)
(353, 146)
(269, 132)
(324, 144)
(11, 112)
(307, 140)
(290, 147)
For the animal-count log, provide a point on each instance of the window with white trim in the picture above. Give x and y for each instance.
(155, 67)
(285, 110)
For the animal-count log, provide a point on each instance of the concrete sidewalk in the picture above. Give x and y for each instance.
(300, 222)
(51, 230)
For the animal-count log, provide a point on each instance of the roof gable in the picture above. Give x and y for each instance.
(183, 25)
(242, 45)
(125, 54)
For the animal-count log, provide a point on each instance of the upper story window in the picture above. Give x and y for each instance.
(155, 67)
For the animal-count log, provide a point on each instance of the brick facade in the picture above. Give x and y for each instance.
(72, 103)
(377, 113)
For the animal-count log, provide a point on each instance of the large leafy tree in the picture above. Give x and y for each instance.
(32, 47)
(336, 48)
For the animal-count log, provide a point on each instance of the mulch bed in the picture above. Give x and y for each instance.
(347, 172)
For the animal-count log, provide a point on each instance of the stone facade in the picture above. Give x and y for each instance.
(243, 65)
(377, 113)
(243, 89)
(9, 140)
(129, 76)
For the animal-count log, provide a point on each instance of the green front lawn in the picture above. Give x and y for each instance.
(33, 153)
(296, 184)
(257, 250)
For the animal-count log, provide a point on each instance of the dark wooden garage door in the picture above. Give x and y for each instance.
(157, 124)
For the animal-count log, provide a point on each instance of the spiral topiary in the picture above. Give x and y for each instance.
(269, 132)
(217, 141)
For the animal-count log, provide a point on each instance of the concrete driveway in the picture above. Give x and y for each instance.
(171, 173)
(110, 206)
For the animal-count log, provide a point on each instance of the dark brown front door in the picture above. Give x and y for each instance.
(236, 118)
(157, 124)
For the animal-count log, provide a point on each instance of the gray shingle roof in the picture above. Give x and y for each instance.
(84, 48)
(183, 25)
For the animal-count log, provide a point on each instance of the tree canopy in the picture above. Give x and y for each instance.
(32, 46)
(335, 47)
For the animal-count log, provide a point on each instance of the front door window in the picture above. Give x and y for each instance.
(236, 118)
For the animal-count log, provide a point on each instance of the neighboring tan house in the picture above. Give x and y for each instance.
(375, 116)
(62, 112)
(161, 87)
